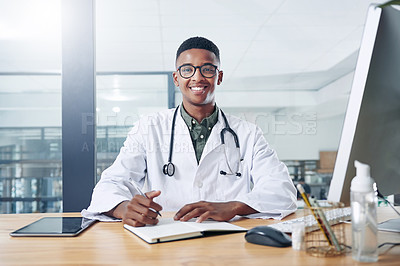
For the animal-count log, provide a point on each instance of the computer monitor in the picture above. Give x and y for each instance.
(371, 131)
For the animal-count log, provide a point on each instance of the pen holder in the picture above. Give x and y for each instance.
(321, 239)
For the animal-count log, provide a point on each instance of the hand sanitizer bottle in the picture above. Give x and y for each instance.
(363, 215)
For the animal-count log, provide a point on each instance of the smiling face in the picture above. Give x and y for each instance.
(197, 91)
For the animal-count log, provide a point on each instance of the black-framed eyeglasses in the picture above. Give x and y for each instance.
(207, 70)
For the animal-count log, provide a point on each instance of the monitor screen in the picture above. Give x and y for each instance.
(371, 131)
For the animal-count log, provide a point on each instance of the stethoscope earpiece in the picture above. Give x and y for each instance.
(224, 173)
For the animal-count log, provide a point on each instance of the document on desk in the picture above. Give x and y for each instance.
(169, 230)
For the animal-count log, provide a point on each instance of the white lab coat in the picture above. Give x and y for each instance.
(264, 184)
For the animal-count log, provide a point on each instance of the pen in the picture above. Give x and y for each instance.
(327, 226)
(144, 195)
(319, 221)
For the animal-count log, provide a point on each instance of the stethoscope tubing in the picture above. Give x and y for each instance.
(169, 167)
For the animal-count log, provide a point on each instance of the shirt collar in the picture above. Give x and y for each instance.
(208, 122)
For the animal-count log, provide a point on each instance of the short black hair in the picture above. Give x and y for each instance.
(198, 43)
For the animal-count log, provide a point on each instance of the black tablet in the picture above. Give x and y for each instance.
(55, 226)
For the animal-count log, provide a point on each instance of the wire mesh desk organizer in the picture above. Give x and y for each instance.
(325, 230)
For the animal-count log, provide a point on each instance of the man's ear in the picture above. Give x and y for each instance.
(175, 78)
(220, 75)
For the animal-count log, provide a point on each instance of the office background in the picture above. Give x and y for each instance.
(288, 66)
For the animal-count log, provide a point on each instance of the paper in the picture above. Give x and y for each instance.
(168, 229)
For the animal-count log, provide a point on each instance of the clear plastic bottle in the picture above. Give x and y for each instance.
(363, 211)
(298, 234)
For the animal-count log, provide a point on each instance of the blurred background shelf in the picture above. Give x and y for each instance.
(317, 174)
(31, 169)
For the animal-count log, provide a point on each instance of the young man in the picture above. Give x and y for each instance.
(215, 166)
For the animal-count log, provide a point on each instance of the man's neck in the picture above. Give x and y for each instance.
(199, 112)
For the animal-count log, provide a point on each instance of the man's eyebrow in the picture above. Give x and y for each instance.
(188, 63)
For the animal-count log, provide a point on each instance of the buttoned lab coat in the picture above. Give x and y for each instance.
(264, 184)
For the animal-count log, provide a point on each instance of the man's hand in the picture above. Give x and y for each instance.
(219, 211)
(139, 211)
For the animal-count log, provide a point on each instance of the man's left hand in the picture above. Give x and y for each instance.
(219, 211)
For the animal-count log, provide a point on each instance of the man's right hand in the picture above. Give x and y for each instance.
(139, 211)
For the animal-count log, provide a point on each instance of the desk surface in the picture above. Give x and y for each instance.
(110, 243)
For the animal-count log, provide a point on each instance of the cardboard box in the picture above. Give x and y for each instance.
(327, 161)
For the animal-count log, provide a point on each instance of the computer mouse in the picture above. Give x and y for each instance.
(268, 236)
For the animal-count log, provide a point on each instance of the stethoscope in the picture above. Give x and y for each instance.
(169, 167)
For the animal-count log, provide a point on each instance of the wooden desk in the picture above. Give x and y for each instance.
(110, 243)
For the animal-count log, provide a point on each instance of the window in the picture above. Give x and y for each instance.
(121, 99)
(30, 107)
(288, 65)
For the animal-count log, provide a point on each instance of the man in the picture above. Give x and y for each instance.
(200, 173)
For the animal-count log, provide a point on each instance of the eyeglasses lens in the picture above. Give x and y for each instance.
(187, 71)
(208, 71)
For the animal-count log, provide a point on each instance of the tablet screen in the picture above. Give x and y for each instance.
(55, 226)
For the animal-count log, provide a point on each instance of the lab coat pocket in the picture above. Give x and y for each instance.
(232, 183)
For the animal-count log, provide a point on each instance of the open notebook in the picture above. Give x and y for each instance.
(168, 230)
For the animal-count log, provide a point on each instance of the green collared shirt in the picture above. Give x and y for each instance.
(199, 132)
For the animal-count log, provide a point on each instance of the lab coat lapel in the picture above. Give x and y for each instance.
(183, 145)
(214, 140)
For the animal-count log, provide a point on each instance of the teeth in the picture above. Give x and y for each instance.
(197, 88)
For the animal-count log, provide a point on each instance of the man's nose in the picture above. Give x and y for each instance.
(197, 75)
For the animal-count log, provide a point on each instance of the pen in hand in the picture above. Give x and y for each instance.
(144, 195)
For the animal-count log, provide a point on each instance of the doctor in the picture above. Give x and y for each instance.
(194, 159)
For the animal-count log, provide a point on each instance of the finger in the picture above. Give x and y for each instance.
(183, 211)
(145, 219)
(142, 219)
(145, 211)
(137, 223)
(203, 217)
(147, 202)
(186, 209)
(155, 206)
(152, 194)
(132, 222)
(135, 206)
(128, 219)
(192, 214)
(138, 212)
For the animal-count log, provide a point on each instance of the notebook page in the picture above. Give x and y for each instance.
(165, 227)
(215, 226)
